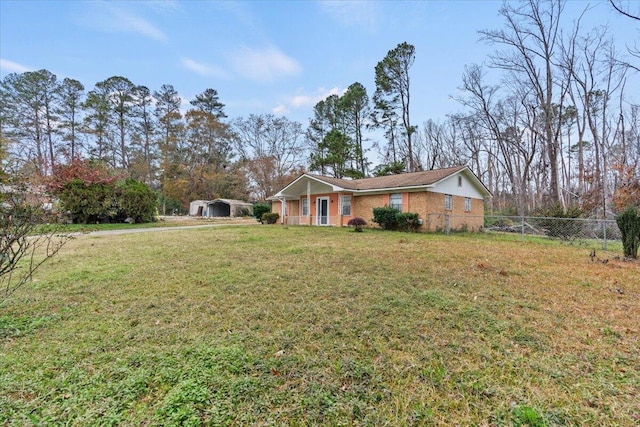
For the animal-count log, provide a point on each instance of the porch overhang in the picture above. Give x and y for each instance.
(304, 185)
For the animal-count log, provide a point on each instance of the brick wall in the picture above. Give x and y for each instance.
(458, 217)
(362, 206)
(430, 207)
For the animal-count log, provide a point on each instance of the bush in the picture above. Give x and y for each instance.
(136, 201)
(386, 218)
(260, 209)
(408, 221)
(86, 202)
(358, 223)
(91, 202)
(270, 218)
(629, 224)
(391, 219)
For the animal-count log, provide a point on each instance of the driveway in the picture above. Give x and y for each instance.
(168, 228)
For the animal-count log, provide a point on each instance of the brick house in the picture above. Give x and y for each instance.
(436, 195)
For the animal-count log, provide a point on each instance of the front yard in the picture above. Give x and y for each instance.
(272, 325)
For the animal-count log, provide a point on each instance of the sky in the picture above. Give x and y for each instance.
(279, 57)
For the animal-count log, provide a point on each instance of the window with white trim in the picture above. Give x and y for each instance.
(467, 204)
(346, 205)
(448, 202)
(395, 201)
(305, 207)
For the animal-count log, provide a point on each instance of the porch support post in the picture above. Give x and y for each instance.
(340, 209)
(308, 202)
(283, 208)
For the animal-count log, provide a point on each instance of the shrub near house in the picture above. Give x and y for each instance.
(259, 209)
(392, 219)
(270, 218)
(357, 223)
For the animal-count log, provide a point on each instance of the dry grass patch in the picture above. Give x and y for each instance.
(306, 326)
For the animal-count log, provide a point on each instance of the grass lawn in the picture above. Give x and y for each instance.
(269, 325)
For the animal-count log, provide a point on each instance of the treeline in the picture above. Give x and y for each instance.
(134, 131)
(559, 130)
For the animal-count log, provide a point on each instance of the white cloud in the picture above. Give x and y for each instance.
(280, 110)
(110, 17)
(203, 69)
(12, 67)
(136, 24)
(264, 65)
(352, 13)
(306, 100)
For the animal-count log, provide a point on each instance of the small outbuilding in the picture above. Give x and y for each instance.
(228, 208)
(198, 207)
(220, 208)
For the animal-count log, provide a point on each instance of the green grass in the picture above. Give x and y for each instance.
(269, 325)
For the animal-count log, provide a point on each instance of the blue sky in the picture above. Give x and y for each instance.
(262, 56)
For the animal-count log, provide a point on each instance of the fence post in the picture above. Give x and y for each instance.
(522, 227)
(604, 235)
(446, 224)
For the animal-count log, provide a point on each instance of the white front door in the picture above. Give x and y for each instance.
(322, 211)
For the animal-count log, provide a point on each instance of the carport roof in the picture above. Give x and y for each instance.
(230, 202)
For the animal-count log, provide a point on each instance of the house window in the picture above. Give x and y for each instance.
(448, 202)
(395, 201)
(346, 205)
(305, 207)
(467, 204)
(459, 181)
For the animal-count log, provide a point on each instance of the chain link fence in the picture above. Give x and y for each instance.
(584, 232)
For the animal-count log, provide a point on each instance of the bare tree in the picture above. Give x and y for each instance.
(24, 244)
(597, 77)
(272, 147)
(617, 5)
(530, 40)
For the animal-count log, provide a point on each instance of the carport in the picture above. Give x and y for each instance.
(228, 208)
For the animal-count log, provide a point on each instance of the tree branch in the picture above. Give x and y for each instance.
(628, 15)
